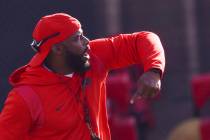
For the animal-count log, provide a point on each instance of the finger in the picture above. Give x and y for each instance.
(147, 93)
(152, 92)
(155, 92)
(137, 94)
(133, 98)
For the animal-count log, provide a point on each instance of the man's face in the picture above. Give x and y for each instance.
(76, 55)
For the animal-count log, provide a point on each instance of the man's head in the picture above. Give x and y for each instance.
(59, 38)
(71, 53)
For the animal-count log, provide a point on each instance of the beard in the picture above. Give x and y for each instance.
(78, 63)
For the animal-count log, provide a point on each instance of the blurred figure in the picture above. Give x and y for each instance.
(187, 130)
(192, 129)
(195, 128)
(60, 94)
(122, 124)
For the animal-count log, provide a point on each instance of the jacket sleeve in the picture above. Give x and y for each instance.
(15, 118)
(125, 49)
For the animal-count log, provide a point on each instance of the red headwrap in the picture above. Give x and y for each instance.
(52, 29)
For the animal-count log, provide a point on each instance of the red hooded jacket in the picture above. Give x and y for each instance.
(60, 96)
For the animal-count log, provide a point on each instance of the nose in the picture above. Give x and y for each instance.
(85, 40)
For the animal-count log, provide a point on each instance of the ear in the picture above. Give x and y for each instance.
(57, 49)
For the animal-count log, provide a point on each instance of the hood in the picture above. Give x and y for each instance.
(28, 75)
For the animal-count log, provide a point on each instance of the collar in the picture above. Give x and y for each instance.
(70, 75)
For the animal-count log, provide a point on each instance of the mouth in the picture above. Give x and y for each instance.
(86, 56)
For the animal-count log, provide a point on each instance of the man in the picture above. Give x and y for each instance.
(60, 93)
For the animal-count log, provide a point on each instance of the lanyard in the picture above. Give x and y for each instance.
(86, 111)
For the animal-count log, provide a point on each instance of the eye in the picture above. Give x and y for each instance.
(76, 38)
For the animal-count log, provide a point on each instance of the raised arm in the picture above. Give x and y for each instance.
(126, 49)
(138, 48)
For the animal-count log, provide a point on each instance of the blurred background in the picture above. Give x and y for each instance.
(182, 25)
